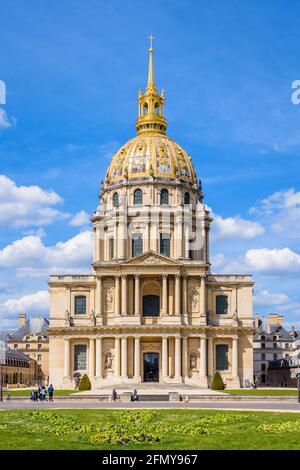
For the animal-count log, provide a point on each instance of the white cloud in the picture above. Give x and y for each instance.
(79, 219)
(264, 298)
(30, 257)
(31, 304)
(23, 206)
(235, 228)
(273, 261)
(5, 122)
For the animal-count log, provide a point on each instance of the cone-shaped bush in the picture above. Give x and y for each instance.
(85, 383)
(217, 383)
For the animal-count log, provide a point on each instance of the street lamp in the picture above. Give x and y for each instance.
(2, 361)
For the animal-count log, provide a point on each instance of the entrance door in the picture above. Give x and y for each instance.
(151, 367)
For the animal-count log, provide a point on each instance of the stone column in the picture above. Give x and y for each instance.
(117, 295)
(92, 358)
(124, 295)
(177, 295)
(184, 297)
(184, 358)
(178, 376)
(165, 294)
(137, 295)
(147, 236)
(99, 300)
(202, 309)
(116, 243)
(210, 358)
(203, 362)
(67, 359)
(117, 357)
(235, 369)
(124, 357)
(164, 358)
(137, 359)
(99, 360)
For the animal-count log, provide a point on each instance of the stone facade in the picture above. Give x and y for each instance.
(151, 310)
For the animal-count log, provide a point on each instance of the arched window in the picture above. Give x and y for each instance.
(165, 244)
(138, 197)
(116, 200)
(137, 244)
(221, 304)
(80, 305)
(164, 197)
(187, 198)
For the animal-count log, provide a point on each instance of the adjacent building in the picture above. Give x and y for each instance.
(31, 338)
(151, 310)
(19, 369)
(272, 342)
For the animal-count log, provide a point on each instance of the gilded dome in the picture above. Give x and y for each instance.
(151, 155)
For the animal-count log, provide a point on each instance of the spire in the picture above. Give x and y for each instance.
(151, 104)
(151, 70)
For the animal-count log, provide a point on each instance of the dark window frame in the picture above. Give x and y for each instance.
(77, 309)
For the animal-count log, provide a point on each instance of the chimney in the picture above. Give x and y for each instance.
(22, 319)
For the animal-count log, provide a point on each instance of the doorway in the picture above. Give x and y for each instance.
(151, 367)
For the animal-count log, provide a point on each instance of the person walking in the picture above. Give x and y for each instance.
(114, 395)
(50, 392)
(135, 396)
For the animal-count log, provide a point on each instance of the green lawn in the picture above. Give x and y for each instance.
(148, 429)
(26, 393)
(261, 391)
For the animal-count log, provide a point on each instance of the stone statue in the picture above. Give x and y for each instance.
(93, 318)
(67, 318)
(193, 362)
(108, 361)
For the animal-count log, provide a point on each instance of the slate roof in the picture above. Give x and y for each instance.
(4, 334)
(268, 329)
(33, 326)
(16, 354)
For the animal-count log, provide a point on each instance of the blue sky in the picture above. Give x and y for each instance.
(72, 71)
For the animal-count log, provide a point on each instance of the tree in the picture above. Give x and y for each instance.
(217, 383)
(85, 383)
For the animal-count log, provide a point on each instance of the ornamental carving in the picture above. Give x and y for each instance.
(108, 361)
(194, 299)
(193, 362)
(109, 299)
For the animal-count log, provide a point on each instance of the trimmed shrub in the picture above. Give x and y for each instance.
(217, 383)
(85, 383)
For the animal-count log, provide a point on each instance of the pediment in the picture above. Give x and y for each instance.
(152, 259)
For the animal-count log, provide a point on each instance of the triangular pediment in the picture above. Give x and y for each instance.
(151, 259)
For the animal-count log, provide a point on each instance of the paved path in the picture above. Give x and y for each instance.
(211, 405)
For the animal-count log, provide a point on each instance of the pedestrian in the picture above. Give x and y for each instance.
(50, 392)
(135, 396)
(32, 396)
(44, 393)
(36, 395)
(114, 395)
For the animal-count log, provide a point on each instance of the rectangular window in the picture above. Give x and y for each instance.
(263, 345)
(80, 357)
(221, 357)
(263, 367)
(221, 304)
(39, 357)
(165, 244)
(263, 357)
(80, 305)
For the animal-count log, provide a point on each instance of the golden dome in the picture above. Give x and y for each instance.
(151, 155)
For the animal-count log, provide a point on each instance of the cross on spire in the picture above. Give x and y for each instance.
(151, 39)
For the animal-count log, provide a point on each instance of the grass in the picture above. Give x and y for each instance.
(26, 393)
(262, 392)
(176, 429)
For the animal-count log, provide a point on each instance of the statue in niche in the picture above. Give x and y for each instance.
(193, 362)
(194, 299)
(67, 318)
(108, 361)
(93, 318)
(109, 299)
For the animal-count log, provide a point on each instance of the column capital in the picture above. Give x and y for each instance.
(137, 275)
(124, 276)
(177, 276)
(165, 276)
